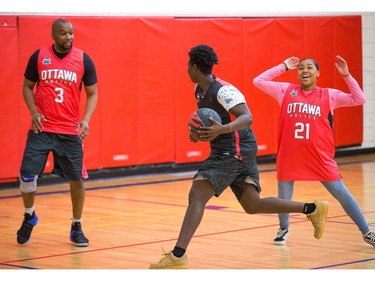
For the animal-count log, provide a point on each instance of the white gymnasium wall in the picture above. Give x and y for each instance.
(368, 52)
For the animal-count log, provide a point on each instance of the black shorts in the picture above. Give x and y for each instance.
(67, 154)
(225, 170)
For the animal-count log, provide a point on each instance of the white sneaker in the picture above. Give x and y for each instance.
(282, 235)
(370, 238)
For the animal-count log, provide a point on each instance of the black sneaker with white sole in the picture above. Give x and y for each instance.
(24, 233)
(77, 236)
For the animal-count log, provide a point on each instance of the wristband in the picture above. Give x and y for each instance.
(286, 67)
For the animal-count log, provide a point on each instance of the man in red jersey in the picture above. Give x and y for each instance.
(305, 139)
(57, 73)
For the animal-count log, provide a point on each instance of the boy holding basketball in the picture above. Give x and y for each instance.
(232, 159)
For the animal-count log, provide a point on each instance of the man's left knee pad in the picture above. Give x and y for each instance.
(28, 182)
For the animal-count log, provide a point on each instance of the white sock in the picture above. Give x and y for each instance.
(30, 210)
(76, 220)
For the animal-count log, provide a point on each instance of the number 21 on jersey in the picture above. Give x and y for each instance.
(302, 131)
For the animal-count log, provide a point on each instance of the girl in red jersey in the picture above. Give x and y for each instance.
(305, 140)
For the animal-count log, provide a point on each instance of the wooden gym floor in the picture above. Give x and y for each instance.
(129, 220)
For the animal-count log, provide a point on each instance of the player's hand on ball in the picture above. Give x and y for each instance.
(209, 133)
(196, 136)
(201, 120)
(193, 136)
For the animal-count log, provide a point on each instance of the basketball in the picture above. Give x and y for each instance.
(200, 117)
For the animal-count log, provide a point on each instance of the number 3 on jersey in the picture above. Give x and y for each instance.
(302, 131)
(60, 95)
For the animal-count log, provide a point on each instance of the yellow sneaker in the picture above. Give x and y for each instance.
(171, 262)
(318, 217)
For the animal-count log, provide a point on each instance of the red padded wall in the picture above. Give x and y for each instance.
(226, 37)
(155, 79)
(145, 94)
(118, 71)
(10, 145)
(259, 49)
(348, 43)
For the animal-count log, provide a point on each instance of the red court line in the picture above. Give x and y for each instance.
(143, 243)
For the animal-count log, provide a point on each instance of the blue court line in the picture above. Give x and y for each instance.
(17, 266)
(101, 187)
(342, 264)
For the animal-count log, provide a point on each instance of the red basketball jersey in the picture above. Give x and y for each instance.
(305, 138)
(57, 95)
